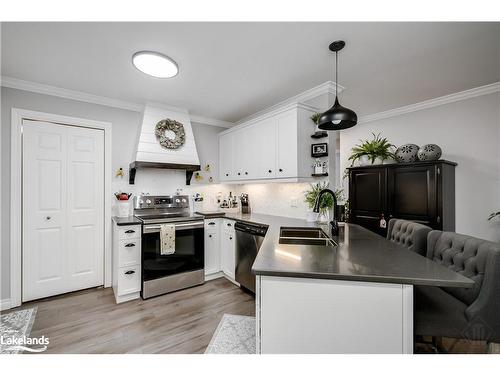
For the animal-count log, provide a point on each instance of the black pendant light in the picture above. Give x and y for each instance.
(337, 117)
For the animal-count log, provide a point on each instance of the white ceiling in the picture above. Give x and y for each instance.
(231, 70)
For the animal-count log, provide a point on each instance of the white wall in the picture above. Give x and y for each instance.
(125, 129)
(468, 132)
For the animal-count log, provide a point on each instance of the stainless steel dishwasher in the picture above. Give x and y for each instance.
(249, 237)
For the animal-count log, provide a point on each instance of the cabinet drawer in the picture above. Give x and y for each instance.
(212, 224)
(129, 232)
(129, 252)
(129, 280)
(228, 225)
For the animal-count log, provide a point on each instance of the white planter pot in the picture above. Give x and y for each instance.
(323, 218)
(378, 161)
(364, 160)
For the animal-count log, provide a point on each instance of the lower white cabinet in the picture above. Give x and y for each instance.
(212, 246)
(220, 250)
(228, 250)
(126, 262)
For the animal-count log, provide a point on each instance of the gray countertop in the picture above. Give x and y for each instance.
(129, 220)
(360, 256)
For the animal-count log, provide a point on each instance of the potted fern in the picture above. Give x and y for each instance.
(374, 151)
(326, 203)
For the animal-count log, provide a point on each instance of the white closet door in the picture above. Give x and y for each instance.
(63, 209)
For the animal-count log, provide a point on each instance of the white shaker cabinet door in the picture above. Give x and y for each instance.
(228, 254)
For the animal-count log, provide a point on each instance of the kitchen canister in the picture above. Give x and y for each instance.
(122, 208)
(429, 152)
(407, 153)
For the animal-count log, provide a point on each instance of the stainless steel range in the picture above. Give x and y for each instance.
(185, 267)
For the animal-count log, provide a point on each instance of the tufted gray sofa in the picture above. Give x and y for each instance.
(474, 313)
(409, 234)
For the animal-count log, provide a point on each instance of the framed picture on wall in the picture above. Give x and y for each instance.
(319, 149)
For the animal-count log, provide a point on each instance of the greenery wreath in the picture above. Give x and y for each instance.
(174, 126)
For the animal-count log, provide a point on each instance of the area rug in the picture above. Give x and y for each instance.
(15, 326)
(234, 335)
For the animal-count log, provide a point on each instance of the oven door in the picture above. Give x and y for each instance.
(189, 250)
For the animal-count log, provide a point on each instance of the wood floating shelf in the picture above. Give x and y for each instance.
(321, 134)
(320, 175)
(189, 168)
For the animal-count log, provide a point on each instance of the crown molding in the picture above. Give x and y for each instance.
(327, 87)
(210, 121)
(431, 103)
(40, 88)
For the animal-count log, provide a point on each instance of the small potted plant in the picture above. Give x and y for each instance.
(326, 203)
(374, 151)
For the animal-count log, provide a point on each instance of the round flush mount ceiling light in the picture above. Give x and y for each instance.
(155, 64)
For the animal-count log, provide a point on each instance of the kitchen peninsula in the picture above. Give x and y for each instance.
(356, 297)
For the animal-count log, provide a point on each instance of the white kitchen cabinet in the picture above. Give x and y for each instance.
(228, 250)
(321, 316)
(126, 262)
(226, 172)
(264, 155)
(274, 146)
(286, 141)
(212, 246)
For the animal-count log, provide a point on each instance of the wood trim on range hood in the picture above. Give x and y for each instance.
(189, 168)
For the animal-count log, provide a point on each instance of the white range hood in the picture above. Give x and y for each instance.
(150, 154)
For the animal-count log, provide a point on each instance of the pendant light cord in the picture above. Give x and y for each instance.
(336, 73)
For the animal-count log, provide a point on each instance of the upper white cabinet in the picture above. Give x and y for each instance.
(272, 147)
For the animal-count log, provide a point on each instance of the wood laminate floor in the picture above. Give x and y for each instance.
(90, 321)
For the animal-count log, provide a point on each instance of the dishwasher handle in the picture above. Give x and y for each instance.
(252, 229)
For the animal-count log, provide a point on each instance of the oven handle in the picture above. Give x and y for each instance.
(155, 228)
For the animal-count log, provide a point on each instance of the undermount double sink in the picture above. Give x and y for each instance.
(305, 236)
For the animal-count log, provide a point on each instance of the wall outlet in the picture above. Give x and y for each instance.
(294, 202)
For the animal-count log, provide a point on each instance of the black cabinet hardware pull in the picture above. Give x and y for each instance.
(281, 170)
(270, 171)
(246, 172)
(130, 231)
(230, 238)
(239, 173)
(227, 174)
(210, 236)
(129, 272)
(211, 223)
(130, 245)
(228, 224)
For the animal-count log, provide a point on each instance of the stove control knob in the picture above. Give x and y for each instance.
(141, 202)
(183, 200)
(177, 201)
(148, 201)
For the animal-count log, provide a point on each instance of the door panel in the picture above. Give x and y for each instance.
(287, 145)
(264, 154)
(367, 198)
(413, 193)
(63, 209)
(226, 157)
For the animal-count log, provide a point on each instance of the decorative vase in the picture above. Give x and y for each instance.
(429, 152)
(407, 153)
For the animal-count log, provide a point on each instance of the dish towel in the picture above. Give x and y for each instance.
(167, 239)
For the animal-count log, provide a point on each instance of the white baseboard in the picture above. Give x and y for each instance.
(214, 276)
(5, 304)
